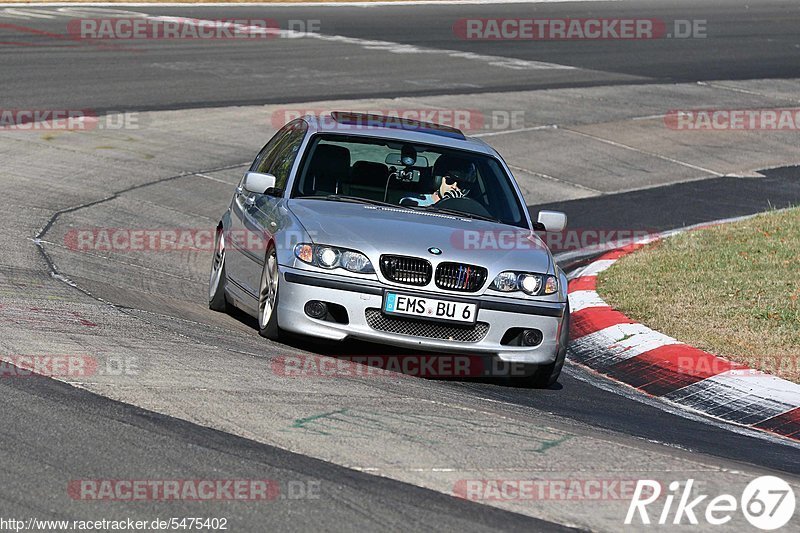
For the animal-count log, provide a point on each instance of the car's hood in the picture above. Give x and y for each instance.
(376, 230)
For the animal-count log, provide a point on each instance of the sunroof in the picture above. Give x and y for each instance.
(369, 120)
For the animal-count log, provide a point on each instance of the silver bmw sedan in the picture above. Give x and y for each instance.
(392, 231)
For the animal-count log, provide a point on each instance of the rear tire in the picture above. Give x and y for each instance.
(268, 297)
(216, 283)
(547, 375)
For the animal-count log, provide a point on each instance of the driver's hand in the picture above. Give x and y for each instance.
(455, 193)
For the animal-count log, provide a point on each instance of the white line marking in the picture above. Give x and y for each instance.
(723, 87)
(519, 130)
(553, 178)
(618, 343)
(597, 267)
(385, 46)
(213, 178)
(649, 117)
(750, 384)
(300, 4)
(735, 400)
(645, 152)
(580, 300)
(588, 375)
(26, 14)
(400, 48)
(72, 11)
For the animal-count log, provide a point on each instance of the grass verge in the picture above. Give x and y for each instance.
(731, 290)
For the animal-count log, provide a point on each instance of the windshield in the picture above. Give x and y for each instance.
(412, 175)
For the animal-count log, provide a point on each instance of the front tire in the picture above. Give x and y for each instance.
(268, 297)
(216, 283)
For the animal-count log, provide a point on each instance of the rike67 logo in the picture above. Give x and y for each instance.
(767, 503)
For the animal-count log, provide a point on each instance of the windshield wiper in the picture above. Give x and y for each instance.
(346, 198)
(463, 214)
(369, 201)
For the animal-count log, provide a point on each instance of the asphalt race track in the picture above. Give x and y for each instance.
(183, 393)
(753, 42)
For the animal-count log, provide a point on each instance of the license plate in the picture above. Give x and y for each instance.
(431, 308)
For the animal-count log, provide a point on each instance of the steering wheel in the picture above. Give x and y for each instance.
(465, 205)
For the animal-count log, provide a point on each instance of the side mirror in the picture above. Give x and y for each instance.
(553, 220)
(258, 183)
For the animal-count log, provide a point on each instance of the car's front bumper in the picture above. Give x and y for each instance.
(357, 297)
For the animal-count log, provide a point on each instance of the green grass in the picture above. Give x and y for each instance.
(731, 290)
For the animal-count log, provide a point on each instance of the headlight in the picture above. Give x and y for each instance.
(505, 282)
(355, 261)
(327, 257)
(529, 283)
(330, 257)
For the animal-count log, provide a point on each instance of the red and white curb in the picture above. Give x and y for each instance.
(612, 344)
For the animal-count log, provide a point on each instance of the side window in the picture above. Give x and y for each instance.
(267, 154)
(286, 152)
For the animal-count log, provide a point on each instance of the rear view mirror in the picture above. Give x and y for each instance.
(396, 160)
(553, 220)
(258, 183)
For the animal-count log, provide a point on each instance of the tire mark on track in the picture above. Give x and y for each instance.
(38, 239)
(55, 273)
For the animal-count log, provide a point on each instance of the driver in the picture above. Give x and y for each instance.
(453, 178)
